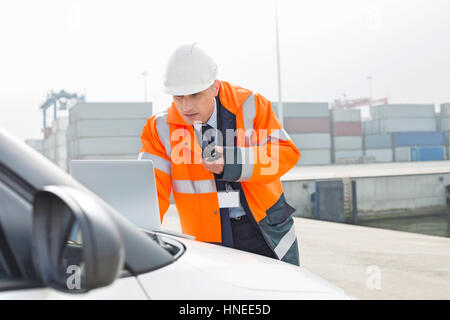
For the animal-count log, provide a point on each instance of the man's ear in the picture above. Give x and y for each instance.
(216, 87)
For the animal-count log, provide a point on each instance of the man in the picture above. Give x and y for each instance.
(221, 149)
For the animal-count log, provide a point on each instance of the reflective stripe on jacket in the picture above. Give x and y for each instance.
(262, 154)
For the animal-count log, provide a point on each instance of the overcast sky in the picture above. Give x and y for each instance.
(328, 48)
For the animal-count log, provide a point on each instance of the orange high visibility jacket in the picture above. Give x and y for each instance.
(262, 154)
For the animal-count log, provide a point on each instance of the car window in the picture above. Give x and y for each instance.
(16, 232)
(2, 270)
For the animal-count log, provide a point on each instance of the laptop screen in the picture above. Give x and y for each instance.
(127, 185)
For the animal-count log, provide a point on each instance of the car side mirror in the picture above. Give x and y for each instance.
(77, 247)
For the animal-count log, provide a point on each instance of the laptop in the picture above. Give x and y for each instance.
(127, 185)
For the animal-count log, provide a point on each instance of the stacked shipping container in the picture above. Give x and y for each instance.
(106, 130)
(347, 135)
(401, 118)
(444, 123)
(308, 125)
(379, 146)
(419, 146)
(408, 130)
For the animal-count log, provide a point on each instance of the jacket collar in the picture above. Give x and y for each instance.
(231, 97)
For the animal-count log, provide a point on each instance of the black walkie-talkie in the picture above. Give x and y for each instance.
(210, 154)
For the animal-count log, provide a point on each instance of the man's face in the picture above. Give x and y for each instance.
(199, 106)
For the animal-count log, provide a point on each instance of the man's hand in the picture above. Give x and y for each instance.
(217, 165)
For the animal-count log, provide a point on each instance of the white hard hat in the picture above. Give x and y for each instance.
(189, 70)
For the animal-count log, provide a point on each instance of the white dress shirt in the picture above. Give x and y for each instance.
(212, 121)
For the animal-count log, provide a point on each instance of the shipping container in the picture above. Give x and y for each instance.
(369, 128)
(350, 142)
(347, 129)
(381, 155)
(346, 115)
(307, 125)
(402, 154)
(56, 139)
(105, 128)
(60, 124)
(344, 154)
(60, 138)
(404, 139)
(303, 109)
(311, 140)
(444, 124)
(403, 125)
(378, 141)
(402, 111)
(431, 153)
(131, 156)
(447, 138)
(314, 157)
(366, 126)
(104, 146)
(110, 110)
(445, 110)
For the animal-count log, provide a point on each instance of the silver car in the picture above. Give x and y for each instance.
(58, 240)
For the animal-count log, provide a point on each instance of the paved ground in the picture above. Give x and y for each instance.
(370, 263)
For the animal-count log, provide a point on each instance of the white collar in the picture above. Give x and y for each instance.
(212, 121)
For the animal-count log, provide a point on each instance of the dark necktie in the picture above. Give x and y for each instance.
(208, 138)
(208, 142)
